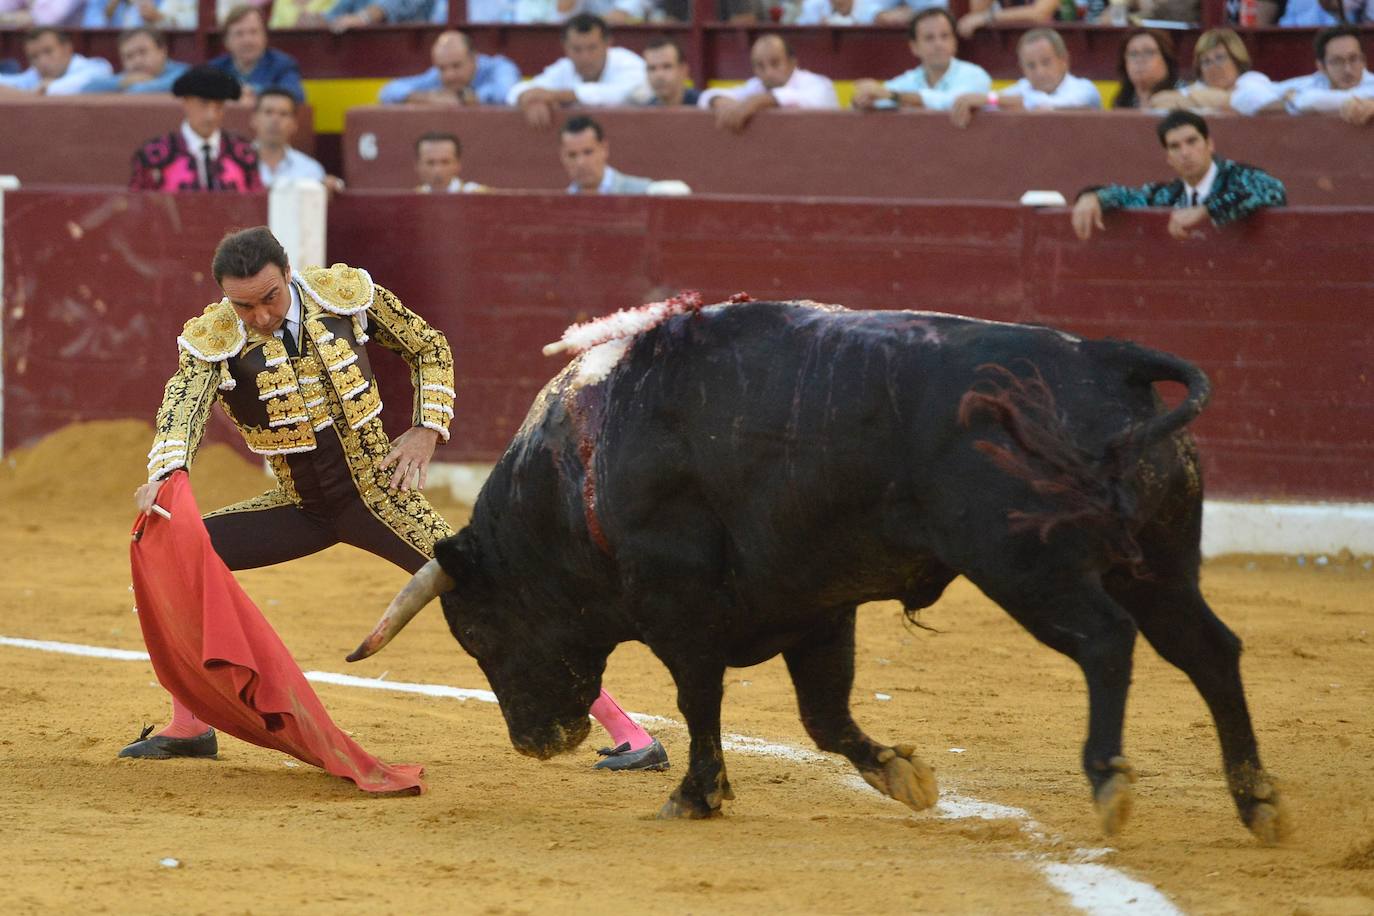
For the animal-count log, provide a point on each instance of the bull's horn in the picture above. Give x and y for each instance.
(423, 587)
(558, 346)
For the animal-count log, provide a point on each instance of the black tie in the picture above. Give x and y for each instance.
(1193, 202)
(209, 167)
(289, 339)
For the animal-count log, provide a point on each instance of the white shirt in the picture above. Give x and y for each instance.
(196, 144)
(1252, 92)
(1072, 92)
(623, 81)
(456, 186)
(961, 77)
(294, 164)
(1202, 189)
(293, 318)
(80, 71)
(803, 89)
(1313, 93)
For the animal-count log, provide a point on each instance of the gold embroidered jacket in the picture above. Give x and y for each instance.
(279, 404)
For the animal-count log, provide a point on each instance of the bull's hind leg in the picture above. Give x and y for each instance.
(822, 669)
(1181, 627)
(1079, 619)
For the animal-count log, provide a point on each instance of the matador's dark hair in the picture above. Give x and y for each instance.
(245, 252)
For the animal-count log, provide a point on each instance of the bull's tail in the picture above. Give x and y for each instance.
(1087, 490)
(1145, 366)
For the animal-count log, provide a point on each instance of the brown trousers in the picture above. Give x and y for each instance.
(253, 534)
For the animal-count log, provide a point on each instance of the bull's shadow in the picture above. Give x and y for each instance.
(731, 483)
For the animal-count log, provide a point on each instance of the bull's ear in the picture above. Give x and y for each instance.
(457, 556)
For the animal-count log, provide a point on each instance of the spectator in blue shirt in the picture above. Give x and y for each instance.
(349, 14)
(251, 62)
(143, 55)
(460, 76)
(938, 81)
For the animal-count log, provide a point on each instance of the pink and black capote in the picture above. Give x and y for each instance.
(746, 475)
(166, 164)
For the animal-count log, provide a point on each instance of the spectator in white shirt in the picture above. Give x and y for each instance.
(1046, 85)
(54, 67)
(274, 127)
(1225, 80)
(938, 81)
(592, 73)
(1341, 84)
(777, 83)
(438, 161)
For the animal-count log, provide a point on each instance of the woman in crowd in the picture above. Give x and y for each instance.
(1225, 80)
(1147, 64)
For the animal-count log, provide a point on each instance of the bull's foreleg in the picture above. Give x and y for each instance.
(822, 669)
(700, 688)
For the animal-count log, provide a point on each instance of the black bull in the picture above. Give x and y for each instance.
(746, 475)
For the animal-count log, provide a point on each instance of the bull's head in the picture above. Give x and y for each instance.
(543, 678)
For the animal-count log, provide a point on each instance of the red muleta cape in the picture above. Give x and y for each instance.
(214, 651)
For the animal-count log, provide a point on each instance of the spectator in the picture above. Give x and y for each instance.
(460, 76)
(938, 81)
(1266, 11)
(983, 13)
(1341, 79)
(586, 154)
(350, 14)
(777, 83)
(274, 127)
(54, 66)
(1046, 85)
(1207, 187)
(438, 160)
(898, 12)
(250, 61)
(1323, 12)
(130, 14)
(198, 156)
(835, 12)
(143, 55)
(668, 74)
(1147, 64)
(1226, 82)
(591, 73)
(21, 14)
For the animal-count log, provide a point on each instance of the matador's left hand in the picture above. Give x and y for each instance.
(410, 454)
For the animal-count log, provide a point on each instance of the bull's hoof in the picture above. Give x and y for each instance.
(905, 777)
(1269, 820)
(1114, 798)
(676, 808)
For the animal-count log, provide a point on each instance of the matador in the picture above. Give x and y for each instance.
(283, 353)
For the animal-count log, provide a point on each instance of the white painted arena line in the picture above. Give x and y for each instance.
(1098, 890)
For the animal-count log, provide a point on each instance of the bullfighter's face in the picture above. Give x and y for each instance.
(261, 300)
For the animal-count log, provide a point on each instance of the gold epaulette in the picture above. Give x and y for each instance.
(216, 335)
(340, 289)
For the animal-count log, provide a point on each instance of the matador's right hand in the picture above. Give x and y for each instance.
(146, 495)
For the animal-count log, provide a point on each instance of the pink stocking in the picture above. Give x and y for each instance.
(184, 723)
(623, 729)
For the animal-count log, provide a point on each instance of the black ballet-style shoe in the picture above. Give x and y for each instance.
(160, 747)
(652, 757)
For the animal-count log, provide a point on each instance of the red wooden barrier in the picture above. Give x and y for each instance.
(1276, 310)
(883, 155)
(90, 140)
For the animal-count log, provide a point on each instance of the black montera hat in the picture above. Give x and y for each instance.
(205, 82)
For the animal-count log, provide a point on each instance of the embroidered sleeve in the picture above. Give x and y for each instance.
(1248, 190)
(1121, 197)
(426, 350)
(186, 403)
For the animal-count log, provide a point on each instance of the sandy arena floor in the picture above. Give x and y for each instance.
(499, 833)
